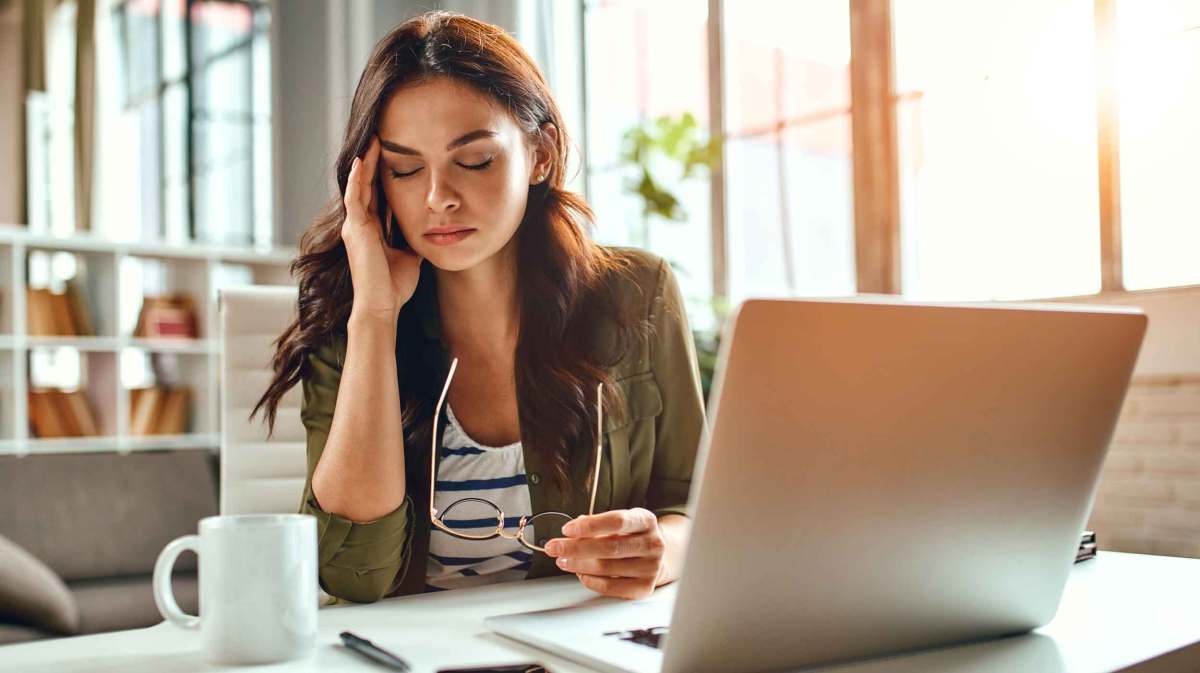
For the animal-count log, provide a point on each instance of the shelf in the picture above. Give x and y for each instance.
(109, 443)
(196, 346)
(10, 234)
(110, 279)
(91, 344)
(112, 344)
(187, 441)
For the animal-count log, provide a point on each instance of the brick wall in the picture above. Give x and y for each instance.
(1149, 495)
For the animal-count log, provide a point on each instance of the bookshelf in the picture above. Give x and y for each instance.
(110, 279)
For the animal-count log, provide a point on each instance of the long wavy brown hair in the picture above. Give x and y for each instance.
(564, 279)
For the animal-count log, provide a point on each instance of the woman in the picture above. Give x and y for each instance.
(454, 242)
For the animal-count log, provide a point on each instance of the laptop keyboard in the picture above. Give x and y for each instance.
(651, 637)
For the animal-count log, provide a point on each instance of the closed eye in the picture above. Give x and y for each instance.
(474, 167)
(479, 166)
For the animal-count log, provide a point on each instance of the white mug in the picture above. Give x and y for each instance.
(258, 587)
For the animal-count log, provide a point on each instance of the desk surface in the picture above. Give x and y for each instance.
(1118, 611)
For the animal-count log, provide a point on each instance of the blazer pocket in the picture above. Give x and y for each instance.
(629, 432)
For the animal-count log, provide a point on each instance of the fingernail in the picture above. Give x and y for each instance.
(569, 528)
(553, 548)
(562, 562)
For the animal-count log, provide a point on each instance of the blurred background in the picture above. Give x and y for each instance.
(155, 151)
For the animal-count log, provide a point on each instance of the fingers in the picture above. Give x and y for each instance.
(609, 547)
(360, 191)
(351, 199)
(644, 568)
(370, 164)
(616, 522)
(618, 587)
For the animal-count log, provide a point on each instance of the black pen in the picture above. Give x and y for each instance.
(373, 652)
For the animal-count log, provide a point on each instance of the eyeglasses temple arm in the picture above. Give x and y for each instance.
(437, 412)
(599, 444)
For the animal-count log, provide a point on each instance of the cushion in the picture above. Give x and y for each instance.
(31, 593)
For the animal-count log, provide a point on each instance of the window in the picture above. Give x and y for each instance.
(789, 180)
(1158, 84)
(997, 129)
(644, 61)
(997, 147)
(50, 132)
(194, 111)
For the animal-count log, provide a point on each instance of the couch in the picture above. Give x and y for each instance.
(81, 532)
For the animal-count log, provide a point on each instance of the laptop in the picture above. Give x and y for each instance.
(879, 476)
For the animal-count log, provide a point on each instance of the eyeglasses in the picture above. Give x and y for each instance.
(468, 509)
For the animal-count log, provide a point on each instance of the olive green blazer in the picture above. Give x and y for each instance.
(649, 451)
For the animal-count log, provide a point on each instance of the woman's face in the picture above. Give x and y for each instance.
(456, 170)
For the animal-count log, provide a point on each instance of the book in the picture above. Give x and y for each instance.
(169, 322)
(60, 309)
(166, 317)
(59, 413)
(144, 410)
(80, 413)
(66, 416)
(50, 314)
(40, 423)
(39, 313)
(46, 415)
(172, 417)
(79, 310)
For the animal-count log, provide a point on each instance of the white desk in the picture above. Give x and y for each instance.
(1118, 611)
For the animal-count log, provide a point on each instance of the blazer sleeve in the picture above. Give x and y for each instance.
(681, 424)
(357, 561)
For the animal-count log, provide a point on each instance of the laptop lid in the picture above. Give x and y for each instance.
(882, 476)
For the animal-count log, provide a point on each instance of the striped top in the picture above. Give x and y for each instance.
(471, 470)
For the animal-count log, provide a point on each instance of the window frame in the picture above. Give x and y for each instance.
(876, 180)
(156, 94)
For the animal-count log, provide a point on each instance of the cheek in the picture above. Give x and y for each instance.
(405, 202)
(510, 194)
(511, 204)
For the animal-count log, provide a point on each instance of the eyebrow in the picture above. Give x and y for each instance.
(471, 137)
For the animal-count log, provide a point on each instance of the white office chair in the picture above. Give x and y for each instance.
(258, 475)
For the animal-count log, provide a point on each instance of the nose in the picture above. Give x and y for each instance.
(441, 196)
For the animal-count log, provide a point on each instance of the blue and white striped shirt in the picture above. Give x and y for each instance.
(471, 470)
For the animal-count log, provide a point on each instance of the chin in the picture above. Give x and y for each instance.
(451, 259)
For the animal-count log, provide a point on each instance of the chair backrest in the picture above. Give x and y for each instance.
(258, 474)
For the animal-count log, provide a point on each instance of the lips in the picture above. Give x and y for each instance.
(447, 235)
(447, 230)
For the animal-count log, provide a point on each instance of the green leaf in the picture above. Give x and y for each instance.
(679, 139)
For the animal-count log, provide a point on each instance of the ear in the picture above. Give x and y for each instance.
(544, 154)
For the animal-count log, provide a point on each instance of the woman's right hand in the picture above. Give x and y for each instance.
(384, 278)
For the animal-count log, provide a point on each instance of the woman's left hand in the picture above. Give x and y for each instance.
(618, 553)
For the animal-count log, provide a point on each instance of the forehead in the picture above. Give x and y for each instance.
(431, 113)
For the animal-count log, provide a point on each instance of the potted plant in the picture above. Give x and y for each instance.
(679, 149)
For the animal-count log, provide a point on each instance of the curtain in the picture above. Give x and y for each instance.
(34, 28)
(35, 34)
(85, 110)
(35, 18)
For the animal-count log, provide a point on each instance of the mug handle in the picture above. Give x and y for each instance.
(164, 597)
